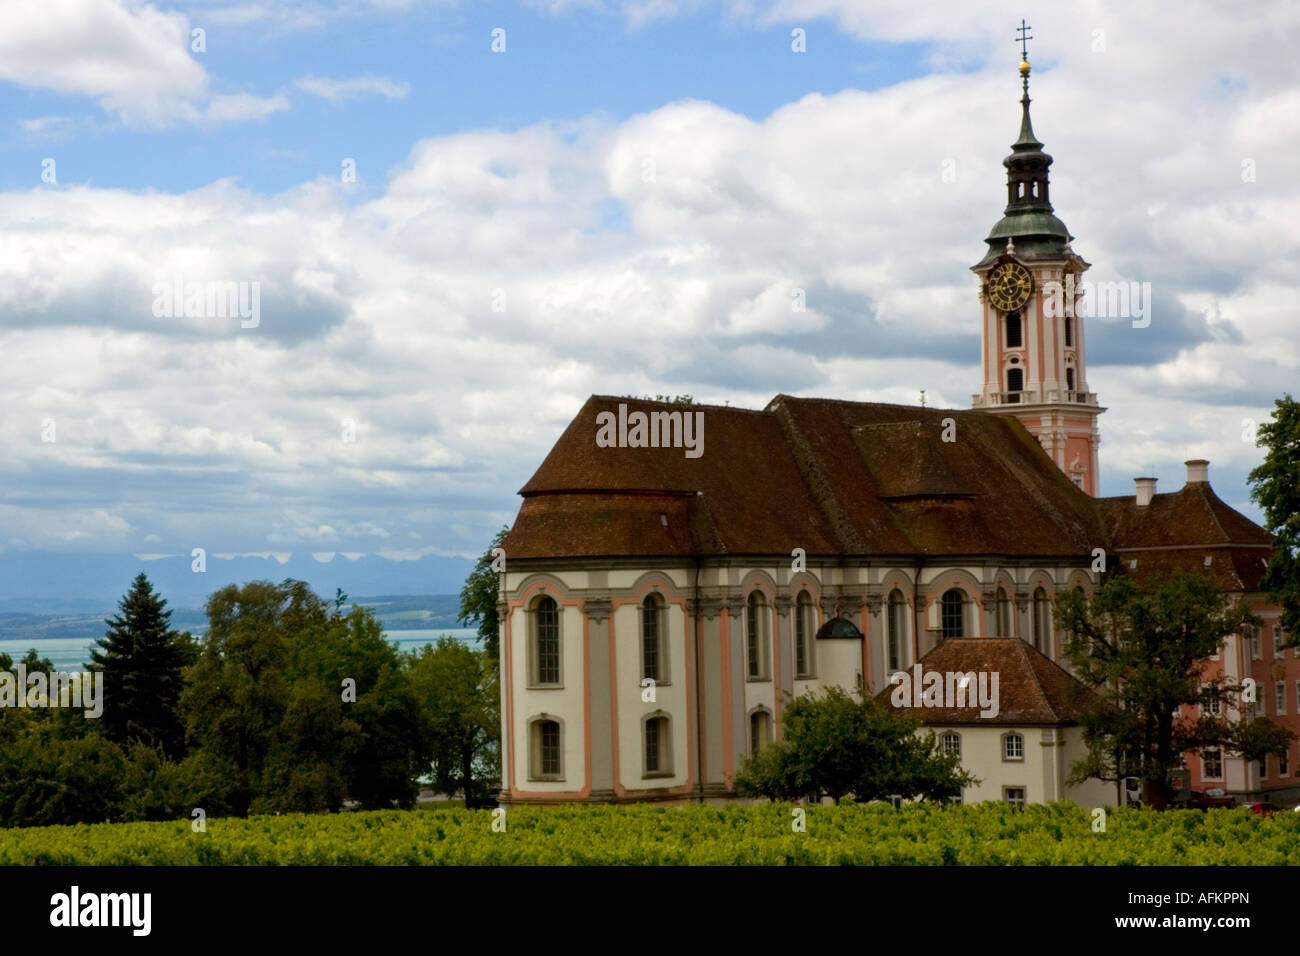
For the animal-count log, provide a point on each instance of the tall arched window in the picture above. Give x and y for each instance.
(545, 751)
(1014, 339)
(804, 636)
(760, 730)
(658, 746)
(951, 613)
(1042, 621)
(1069, 332)
(896, 614)
(654, 662)
(1004, 614)
(756, 636)
(1069, 379)
(546, 642)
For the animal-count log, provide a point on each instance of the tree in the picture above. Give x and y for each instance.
(1143, 650)
(1275, 487)
(306, 707)
(461, 706)
(478, 598)
(142, 658)
(838, 746)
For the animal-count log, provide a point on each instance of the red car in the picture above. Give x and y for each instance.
(1267, 809)
(1214, 797)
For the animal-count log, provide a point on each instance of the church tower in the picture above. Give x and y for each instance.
(1033, 336)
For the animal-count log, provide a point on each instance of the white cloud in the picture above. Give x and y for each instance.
(355, 88)
(131, 58)
(463, 314)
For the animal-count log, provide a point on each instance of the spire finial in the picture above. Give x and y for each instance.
(1022, 39)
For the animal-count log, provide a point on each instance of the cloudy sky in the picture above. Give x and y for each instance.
(454, 245)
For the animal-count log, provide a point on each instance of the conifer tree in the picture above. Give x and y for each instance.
(142, 658)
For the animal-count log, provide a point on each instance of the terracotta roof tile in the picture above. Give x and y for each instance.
(1032, 688)
(827, 476)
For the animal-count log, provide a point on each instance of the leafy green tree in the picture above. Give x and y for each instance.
(307, 707)
(836, 745)
(461, 706)
(1275, 487)
(142, 658)
(237, 696)
(1143, 650)
(478, 598)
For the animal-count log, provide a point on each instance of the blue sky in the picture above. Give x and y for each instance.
(621, 202)
(554, 67)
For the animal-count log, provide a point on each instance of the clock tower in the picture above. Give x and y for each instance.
(1033, 335)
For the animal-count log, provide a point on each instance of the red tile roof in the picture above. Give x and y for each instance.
(827, 476)
(1178, 531)
(1032, 688)
(857, 478)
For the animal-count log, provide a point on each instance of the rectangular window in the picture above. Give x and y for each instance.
(1263, 768)
(759, 731)
(1279, 693)
(548, 748)
(1256, 643)
(548, 643)
(1278, 640)
(650, 641)
(652, 746)
(1212, 765)
(1013, 747)
(1212, 707)
(895, 630)
(804, 639)
(1014, 339)
(1284, 763)
(1014, 796)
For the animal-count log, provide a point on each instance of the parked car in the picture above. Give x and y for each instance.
(1213, 797)
(1266, 809)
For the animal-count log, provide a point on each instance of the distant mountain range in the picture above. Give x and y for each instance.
(402, 612)
(54, 583)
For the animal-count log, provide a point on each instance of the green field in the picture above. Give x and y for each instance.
(875, 834)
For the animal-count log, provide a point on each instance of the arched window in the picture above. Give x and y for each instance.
(658, 746)
(951, 743)
(1013, 746)
(760, 730)
(804, 636)
(546, 755)
(1014, 339)
(654, 645)
(546, 643)
(952, 613)
(756, 636)
(894, 625)
(1004, 614)
(1042, 621)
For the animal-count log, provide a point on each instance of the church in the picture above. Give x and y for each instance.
(675, 570)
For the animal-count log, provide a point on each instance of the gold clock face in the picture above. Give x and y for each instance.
(1009, 286)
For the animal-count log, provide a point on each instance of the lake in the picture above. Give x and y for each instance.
(73, 653)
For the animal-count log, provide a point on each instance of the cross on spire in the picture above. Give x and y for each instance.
(1023, 30)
